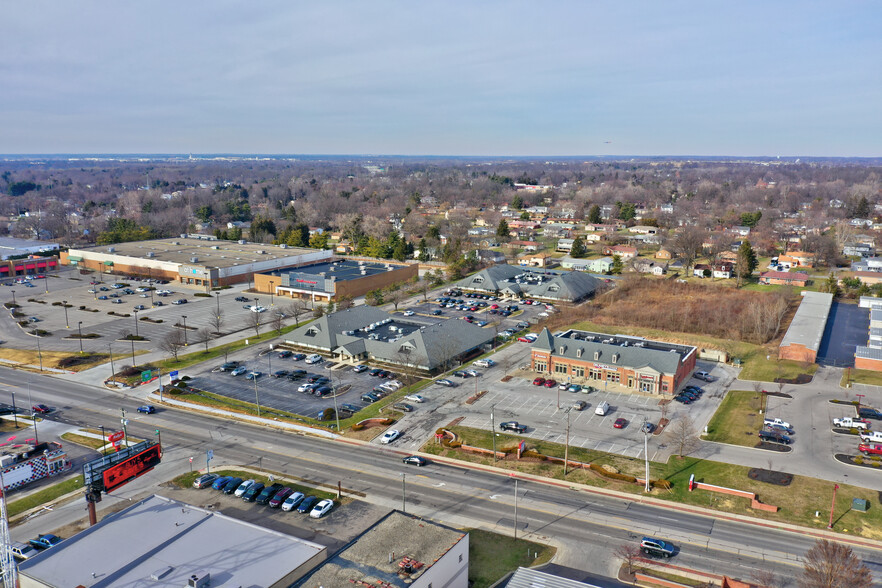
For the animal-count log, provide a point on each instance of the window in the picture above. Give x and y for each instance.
(595, 375)
(664, 386)
(560, 368)
(541, 366)
(613, 377)
(578, 371)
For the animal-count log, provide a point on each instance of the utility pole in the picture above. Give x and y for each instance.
(833, 506)
(648, 488)
(403, 490)
(493, 430)
(256, 397)
(516, 510)
(110, 349)
(80, 329)
(567, 444)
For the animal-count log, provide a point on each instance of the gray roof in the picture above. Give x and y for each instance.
(633, 352)
(567, 286)
(158, 534)
(868, 352)
(416, 344)
(807, 326)
(531, 578)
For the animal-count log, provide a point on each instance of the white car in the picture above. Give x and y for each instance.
(293, 501)
(415, 398)
(243, 487)
(543, 315)
(390, 436)
(305, 387)
(238, 371)
(394, 384)
(485, 363)
(409, 313)
(141, 289)
(473, 373)
(163, 292)
(322, 508)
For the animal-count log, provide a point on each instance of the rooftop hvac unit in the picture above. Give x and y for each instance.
(199, 580)
(151, 255)
(194, 260)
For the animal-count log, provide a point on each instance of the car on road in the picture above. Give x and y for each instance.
(147, 409)
(580, 405)
(415, 398)
(539, 381)
(45, 541)
(267, 493)
(253, 491)
(180, 301)
(415, 460)
(238, 371)
(390, 436)
(280, 497)
(656, 547)
(446, 382)
(513, 426)
(360, 368)
(322, 508)
(485, 363)
(292, 501)
(232, 485)
(243, 487)
(620, 423)
(253, 375)
(306, 504)
(41, 409)
(204, 480)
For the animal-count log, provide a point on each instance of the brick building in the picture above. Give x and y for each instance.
(635, 363)
(803, 337)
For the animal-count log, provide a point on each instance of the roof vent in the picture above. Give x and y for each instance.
(111, 249)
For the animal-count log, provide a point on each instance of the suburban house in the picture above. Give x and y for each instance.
(784, 278)
(525, 245)
(601, 265)
(490, 256)
(536, 260)
(858, 250)
(868, 278)
(797, 259)
(643, 230)
(623, 251)
(722, 270)
(868, 264)
(663, 254)
(565, 245)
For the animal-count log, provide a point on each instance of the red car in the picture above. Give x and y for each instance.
(523, 340)
(550, 383)
(867, 448)
(41, 408)
(539, 382)
(620, 423)
(494, 306)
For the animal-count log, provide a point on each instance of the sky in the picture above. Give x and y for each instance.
(443, 78)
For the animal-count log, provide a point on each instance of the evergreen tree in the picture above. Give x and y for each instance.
(617, 265)
(502, 229)
(578, 251)
(746, 262)
(517, 202)
(424, 253)
(594, 215)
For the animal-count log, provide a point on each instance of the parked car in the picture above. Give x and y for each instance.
(869, 413)
(774, 437)
(415, 460)
(870, 448)
(513, 426)
(369, 397)
(45, 541)
(322, 508)
(620, 423)
(220, 482)
(656, 547)
(267, 493)
(306, 504)
(580, 405)
(238, 371)
(408, 313)
(563, 386)
(204, 480)
(281, 373)
(41, 409)
(22, 551)
(285, 353)
(280, 497)
(251, 494)
(147, 409)
(415, 398)
(298, 356)
(390, 436)
(359, 369)
(647, 427)
(232, 485)
(292, 501)
(574, 388)
(241, 299)
(253, 375)
(550, 383)
(539, 381)
(403, 406)
(704, 376)
(446, 382)
(180, 301)
(243, 487)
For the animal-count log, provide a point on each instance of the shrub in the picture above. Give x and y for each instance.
(357, 427)
(174, 391)
(858, 460)
(663, 484)
(82, 307)
(612, 475)
(23, 323)
(534, 454)
(56, 304)
(202, 295)
(10, 305)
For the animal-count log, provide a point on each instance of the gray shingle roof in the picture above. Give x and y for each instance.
(568, 286)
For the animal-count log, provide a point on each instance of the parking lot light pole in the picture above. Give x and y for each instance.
(80, 329)
(184, 316)
(13, 297)
(217, 299)
(110, 349)
(39, 353)
(66, 322)
(136, 323)
(272, 291)
(151, 297)
(256, 397)
(647, 488)
(46, 281)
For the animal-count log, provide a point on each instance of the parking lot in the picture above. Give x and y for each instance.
(425, 311)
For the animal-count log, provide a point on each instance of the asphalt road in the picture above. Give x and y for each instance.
(575, 520)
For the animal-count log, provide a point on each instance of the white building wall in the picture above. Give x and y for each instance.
(450, 571)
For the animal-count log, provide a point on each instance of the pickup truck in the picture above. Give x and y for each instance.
(769, 422)
(867, 449)
(871, 436)
(850, 423)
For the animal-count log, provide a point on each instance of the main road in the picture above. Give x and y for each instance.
(583, 522)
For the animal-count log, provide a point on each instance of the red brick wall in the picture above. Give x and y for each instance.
(796, 352)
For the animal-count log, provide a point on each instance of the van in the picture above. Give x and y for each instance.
(314, 358)
(602, 408)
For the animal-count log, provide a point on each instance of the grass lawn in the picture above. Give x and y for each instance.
(737, 420)
(90, 442)
(760, 369)
(43, 496)
(186, 481)
(797, 502)
(51, 359)
(492, 555)
(861, 377)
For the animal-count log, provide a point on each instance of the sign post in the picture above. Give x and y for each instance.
(209, 455)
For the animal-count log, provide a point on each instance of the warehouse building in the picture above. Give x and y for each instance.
(367, 334)
(632, 363)
(335, 279)
(163, 542)
(519, 282)
(196, 260)
(803, 337)
(399, 551)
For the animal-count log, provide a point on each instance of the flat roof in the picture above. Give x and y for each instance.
(366, 559)
(807, 326)
(28, 244)
(208, 252)
(162, 542)
(341, 269)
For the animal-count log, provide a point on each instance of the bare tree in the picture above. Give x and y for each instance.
(688, 245)
(833, 565)
(277, 321)
(172, 343)
(216, 322)
(629, 553)
(296, 309)
(396, 297)
(718, 246)
(425, 286)
(255, 321)
(766, 579)
(205, 336)
(683, 436)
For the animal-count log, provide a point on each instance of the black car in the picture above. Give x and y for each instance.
(296, 374)
(298, 356)
(415, 460)
(307, 504)
(285, 353)
(375, 372)
(870, 413)
(513, 426)
(350, 407)
(267, 493)
(322, 391)
(369, 398)
(231, 485)
(253, 491)
(280, 373)
(241, 299)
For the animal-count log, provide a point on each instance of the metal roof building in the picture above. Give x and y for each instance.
(803, 337)
(522, 282)
(162, 542)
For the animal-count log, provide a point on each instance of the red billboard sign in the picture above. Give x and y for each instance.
(114, 437)
(128, 470)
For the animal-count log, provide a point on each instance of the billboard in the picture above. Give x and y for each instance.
(128, 470)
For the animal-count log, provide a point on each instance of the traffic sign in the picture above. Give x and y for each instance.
(191, 460)
(209, 455)
(173, 374)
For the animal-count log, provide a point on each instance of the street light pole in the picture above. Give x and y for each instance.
(124, 421)
(110, 349)
(46, 281)
(133, 352)
(516, 510)
(183, 316)
(13, 297)
(66, 322)
(272, 291)
(217, 299)
(136, 323)
(567, 444)
(833, 506)
(647, 488)
(403, 492)
(80, 329)
(39, 353)
(493, 430)
(256, 397)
